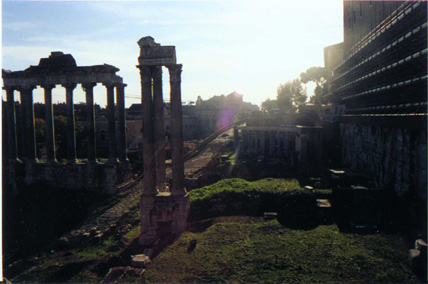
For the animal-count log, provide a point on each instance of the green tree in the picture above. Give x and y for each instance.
(318, 75)
(290, 95)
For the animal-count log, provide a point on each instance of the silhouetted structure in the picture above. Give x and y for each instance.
(61, 69)
(378, 91)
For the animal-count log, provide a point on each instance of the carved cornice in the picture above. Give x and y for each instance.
(175, 72)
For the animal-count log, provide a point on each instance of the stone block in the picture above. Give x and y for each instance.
(140, 260)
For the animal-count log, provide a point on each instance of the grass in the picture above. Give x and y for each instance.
(133, 233)
(242, 186)
(244, 249)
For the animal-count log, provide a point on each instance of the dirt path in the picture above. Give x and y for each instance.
(99, 225)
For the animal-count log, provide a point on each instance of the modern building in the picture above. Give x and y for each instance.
(378, 87)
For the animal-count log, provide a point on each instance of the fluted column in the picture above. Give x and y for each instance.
(112, 152)
(11, 125)
(29, 129)
(71, 136)
(50, 137)
(176, 131)
(121, 123)
(159, 131)
(89, 93)
(148, 132)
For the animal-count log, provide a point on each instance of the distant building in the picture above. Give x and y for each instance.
(199, 120)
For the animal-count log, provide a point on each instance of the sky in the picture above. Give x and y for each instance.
(246, 46)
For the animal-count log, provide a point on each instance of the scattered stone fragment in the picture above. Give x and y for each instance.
(140, 260)
(270, 215)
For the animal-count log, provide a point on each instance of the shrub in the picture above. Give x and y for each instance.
(297, 209)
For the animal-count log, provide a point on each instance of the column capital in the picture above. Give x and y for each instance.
(86, 86)
(69, 86)
(26, 88)
(48, 86)
(145, 73)
(157, 72)
(175, 72)
(10, 88)
(121, 85)
(108, 84)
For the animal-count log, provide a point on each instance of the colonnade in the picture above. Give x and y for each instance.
(269, 142)
(116, 136)
(154, 133)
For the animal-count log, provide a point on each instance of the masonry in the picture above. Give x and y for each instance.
(61, 69)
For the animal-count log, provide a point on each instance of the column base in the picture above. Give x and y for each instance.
(71, 162)
(93, 162)
(14, 161)
(112, 161)
(163, 216)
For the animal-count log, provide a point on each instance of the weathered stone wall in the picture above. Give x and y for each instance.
(103, 178)
(395, 157)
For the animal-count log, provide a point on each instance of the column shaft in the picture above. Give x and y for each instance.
(176, 131)
(11, 125)
(112, 152)
(92, 148)
(29, 129)
(50, 138)
(121, 121)
(148, 133)
(159, 131)
(71, 136)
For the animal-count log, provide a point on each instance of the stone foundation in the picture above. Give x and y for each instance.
(87, 176)
(395, 157)
(162, 215)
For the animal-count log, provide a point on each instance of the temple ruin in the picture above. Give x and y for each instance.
(61, 69)
(163, 207)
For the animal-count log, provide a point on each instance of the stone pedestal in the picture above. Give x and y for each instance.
(162, 215)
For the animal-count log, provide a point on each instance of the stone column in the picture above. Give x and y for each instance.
(29, 131)
(148, 133)
(272, 143)
(92, 146)
(71, 135)
(176, 131)
(159, 131)
(50, 138)
(11, 125)
(121, 124)
(263, 142)
(112, 153)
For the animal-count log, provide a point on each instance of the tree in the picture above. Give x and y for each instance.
(290, 94)
(319, 76)
(269, 105)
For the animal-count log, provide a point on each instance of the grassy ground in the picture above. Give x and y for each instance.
(244, 249)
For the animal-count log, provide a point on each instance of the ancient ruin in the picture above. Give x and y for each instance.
(163, 207)
(61, 69)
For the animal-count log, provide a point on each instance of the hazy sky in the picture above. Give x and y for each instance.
(246, 46)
